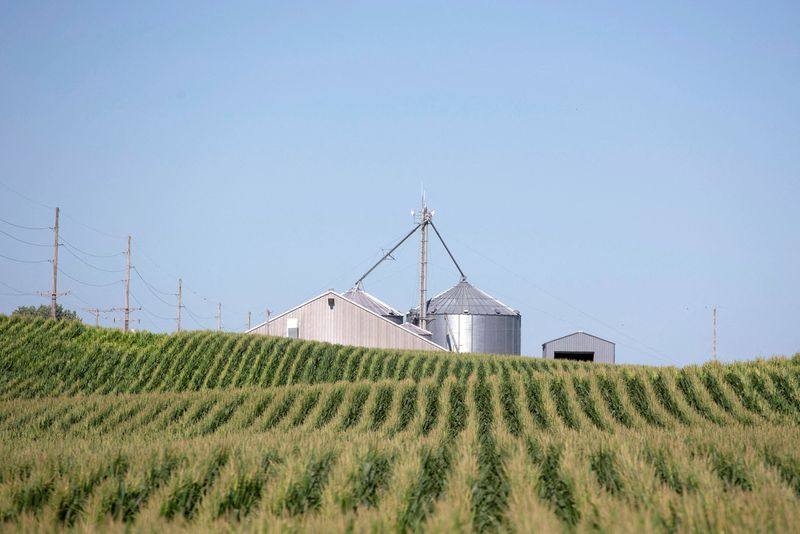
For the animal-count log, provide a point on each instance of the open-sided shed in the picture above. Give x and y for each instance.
(580, 346)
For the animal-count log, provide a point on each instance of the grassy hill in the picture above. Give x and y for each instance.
(100, 430)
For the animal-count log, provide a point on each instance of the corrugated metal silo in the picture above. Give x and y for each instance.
(465, 319)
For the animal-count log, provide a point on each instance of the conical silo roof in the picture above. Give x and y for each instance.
(466, 298)
(372, 303)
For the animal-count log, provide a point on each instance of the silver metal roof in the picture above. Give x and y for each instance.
(415, 329)
(370, 302)
(575, 334)
(466, 298)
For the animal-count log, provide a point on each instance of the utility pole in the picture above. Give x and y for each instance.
(127, 288)
(97, 312)
(425, 218)
(180, 296)
(219, 317)
(54, 294)
(248, 320)
(267, 312)
(714, 346)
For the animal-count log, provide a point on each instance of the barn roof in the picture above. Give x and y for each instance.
(371, 302)
(411, 327)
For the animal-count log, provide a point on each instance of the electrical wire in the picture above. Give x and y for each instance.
(72, 294)
(24, 261)
(166, 293)
(15, 238)
(65, 242)
(67, 248)
(144, 309)
(65, 215)
(152, 289)
(92, 228)
(87, 283)
(187, 288)
(194, 318)
(12, 288)
(19, 293)
(22, 227)
(206, 317)
(29, 199)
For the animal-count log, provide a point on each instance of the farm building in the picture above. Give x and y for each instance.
(465, 319)
(461, 319)
(354, 318)
(579, 346)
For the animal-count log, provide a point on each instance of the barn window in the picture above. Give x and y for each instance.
(292, 328)
(331, 303)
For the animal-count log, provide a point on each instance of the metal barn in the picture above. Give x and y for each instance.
(580, 346)
(333, 318)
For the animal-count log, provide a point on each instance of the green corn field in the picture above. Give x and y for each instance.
(105, 431)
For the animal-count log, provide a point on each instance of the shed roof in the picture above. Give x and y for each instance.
(575, 334)
(411, 327)
(370, 302)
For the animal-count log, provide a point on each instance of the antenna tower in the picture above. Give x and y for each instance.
(425, 218)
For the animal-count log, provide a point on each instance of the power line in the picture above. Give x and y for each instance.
(170, 294)
(87, 283)
(165, 271)
(167, 293)
(29, 199)
(67, 248)
(12, 288)
(93, 229)
(152, 289)
(155, 263)
(72, 294)
(19, 293)
(205, 317)
(23, 261)
(74, 249)
(65, 242)
(148, 311)
(195, 319)
(22, 227)
(42, 204)
(15, 238)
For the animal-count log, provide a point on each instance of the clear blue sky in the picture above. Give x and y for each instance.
(617, 169)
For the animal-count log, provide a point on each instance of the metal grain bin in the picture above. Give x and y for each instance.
(465, 319)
